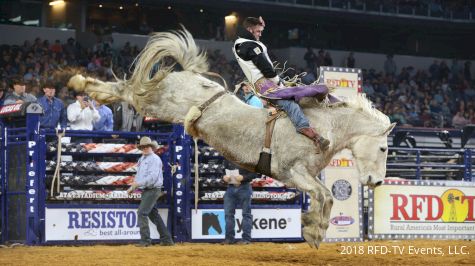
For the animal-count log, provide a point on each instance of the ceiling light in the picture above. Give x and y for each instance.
(57, 2)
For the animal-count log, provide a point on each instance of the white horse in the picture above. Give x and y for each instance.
(237, 130)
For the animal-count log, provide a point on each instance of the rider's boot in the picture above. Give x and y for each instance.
(318, 140)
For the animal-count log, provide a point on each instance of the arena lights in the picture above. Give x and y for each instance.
(230, 19)
(100, 6)
(201, 10)
(136, 4)
(169, 7)
(121, 7)
(57, 2)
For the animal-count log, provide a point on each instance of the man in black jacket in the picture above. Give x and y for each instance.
(253, 59)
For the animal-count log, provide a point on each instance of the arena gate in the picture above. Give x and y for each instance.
(91, 203)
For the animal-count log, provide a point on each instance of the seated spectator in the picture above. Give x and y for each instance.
(106, 122)
(2, 95)
(82, 114)
(54, 112)
(19, 95)
(459, 121)
(56, 47)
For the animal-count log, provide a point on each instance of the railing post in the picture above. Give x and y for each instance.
(418, 163)
(467, 161)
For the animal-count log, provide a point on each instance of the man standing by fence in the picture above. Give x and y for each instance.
(54, 112)
(149, 179)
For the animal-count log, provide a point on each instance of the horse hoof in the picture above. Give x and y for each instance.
(317, 244)
(309, 237)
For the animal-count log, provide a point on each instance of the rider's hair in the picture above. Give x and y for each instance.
(251, 22)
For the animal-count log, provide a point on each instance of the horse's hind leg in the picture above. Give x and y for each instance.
(105, 92)
(313, 220)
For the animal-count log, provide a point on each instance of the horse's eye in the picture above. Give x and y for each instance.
(383, 149)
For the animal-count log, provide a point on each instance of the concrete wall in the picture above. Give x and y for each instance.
(17, 35)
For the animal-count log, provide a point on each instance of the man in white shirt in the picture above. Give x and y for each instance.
(81, 114)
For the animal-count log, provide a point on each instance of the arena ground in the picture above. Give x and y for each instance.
(255, 254)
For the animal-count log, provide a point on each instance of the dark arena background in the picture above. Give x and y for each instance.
(63, 198)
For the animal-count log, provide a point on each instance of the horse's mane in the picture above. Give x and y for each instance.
(163, 52)
(359, 103)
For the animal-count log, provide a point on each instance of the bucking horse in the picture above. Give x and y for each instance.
(186, 95)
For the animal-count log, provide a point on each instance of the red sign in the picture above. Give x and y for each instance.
(11, 108)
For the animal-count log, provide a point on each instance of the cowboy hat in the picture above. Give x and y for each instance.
(146, 141)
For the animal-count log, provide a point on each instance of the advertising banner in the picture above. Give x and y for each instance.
(346, 220)
(266, 223)
(347, 82)
(422, 209)
(95, 224)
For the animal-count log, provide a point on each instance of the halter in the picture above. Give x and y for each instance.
(204, 105)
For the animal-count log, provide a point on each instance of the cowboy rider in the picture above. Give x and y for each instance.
(254, 61)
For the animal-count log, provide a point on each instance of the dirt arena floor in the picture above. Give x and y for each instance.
(187, 254)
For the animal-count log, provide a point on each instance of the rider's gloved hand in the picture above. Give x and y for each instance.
(276, 79)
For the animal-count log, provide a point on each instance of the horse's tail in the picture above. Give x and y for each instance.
(153, 63)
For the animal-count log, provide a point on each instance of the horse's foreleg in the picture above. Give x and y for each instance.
(327, 207)
(313, 231)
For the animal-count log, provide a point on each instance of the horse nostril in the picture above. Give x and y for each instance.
(379, 183)
(369, 179)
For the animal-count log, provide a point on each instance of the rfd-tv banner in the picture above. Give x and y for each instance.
(342, 179)
(422, 209)
(95, 224)
(266, 223)
(346, 81)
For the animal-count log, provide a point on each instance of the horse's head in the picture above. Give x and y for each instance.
(370, 153)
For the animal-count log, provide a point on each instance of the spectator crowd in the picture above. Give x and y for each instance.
(442, 95)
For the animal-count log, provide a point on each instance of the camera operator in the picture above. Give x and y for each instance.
(82, 115)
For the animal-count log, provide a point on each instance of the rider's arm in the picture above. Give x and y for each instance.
(252, 51)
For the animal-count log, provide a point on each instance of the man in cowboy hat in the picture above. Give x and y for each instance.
(149, 179)
(19, 94)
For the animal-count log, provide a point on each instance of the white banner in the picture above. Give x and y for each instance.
(412, 209)
(95, 224)
(267, 223)
(341, 177)
(346, 81)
